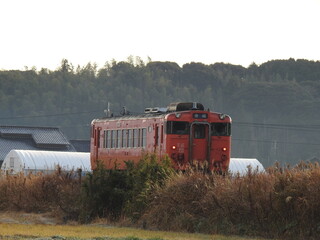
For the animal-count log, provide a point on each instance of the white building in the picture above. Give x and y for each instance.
(33, 161)
(241, 166)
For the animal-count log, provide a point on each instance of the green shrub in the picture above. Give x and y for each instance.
(114, 193)
(145, 176)
(104, 193)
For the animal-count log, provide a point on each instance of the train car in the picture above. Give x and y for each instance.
(185, 132)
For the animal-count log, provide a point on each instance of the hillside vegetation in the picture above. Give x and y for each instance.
(281, 203)
(274, 105)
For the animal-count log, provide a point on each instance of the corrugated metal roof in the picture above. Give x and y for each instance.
(32, 138)
(6, 145)
(81, 145)
(40, 135)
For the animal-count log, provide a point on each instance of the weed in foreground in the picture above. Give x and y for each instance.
(112, 193)
(280, 203)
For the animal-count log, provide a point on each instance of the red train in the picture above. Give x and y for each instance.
(185, 132)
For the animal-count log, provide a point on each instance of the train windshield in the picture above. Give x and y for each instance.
(220, 129)
(177, 127)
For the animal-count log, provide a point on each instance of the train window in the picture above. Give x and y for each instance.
(140, 137)
(109, 138)
(220, 129)
(113, 138)
(199, 131)
(177, 127)
(135, 137)
(130, 138)
(124, 138)
(119, 138)
(144, 137)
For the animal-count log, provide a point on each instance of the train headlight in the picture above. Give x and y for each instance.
(174, 147)
(200, 115)
(224, 149)
(178, 115)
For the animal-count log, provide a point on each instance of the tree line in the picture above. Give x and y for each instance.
(274, 106)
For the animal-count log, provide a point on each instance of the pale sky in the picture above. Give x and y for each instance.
(41, 33)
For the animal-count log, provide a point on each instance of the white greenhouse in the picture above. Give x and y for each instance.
(241, 166)
(32, 161)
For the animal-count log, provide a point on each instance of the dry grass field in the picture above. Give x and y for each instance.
(280, 203)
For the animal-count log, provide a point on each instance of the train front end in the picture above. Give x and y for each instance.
(198, 138)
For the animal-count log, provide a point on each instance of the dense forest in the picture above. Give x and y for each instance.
(274, 106)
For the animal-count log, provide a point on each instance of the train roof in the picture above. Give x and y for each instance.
(132, 117)
(155, 112)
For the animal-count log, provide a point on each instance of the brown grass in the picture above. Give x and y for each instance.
(279, 203)
(59, 193)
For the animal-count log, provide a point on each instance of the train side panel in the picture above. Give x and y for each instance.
(116, 141)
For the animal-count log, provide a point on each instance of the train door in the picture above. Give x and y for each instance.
(160, 140)
(156, 137)
(96, 141)
(199, 149)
